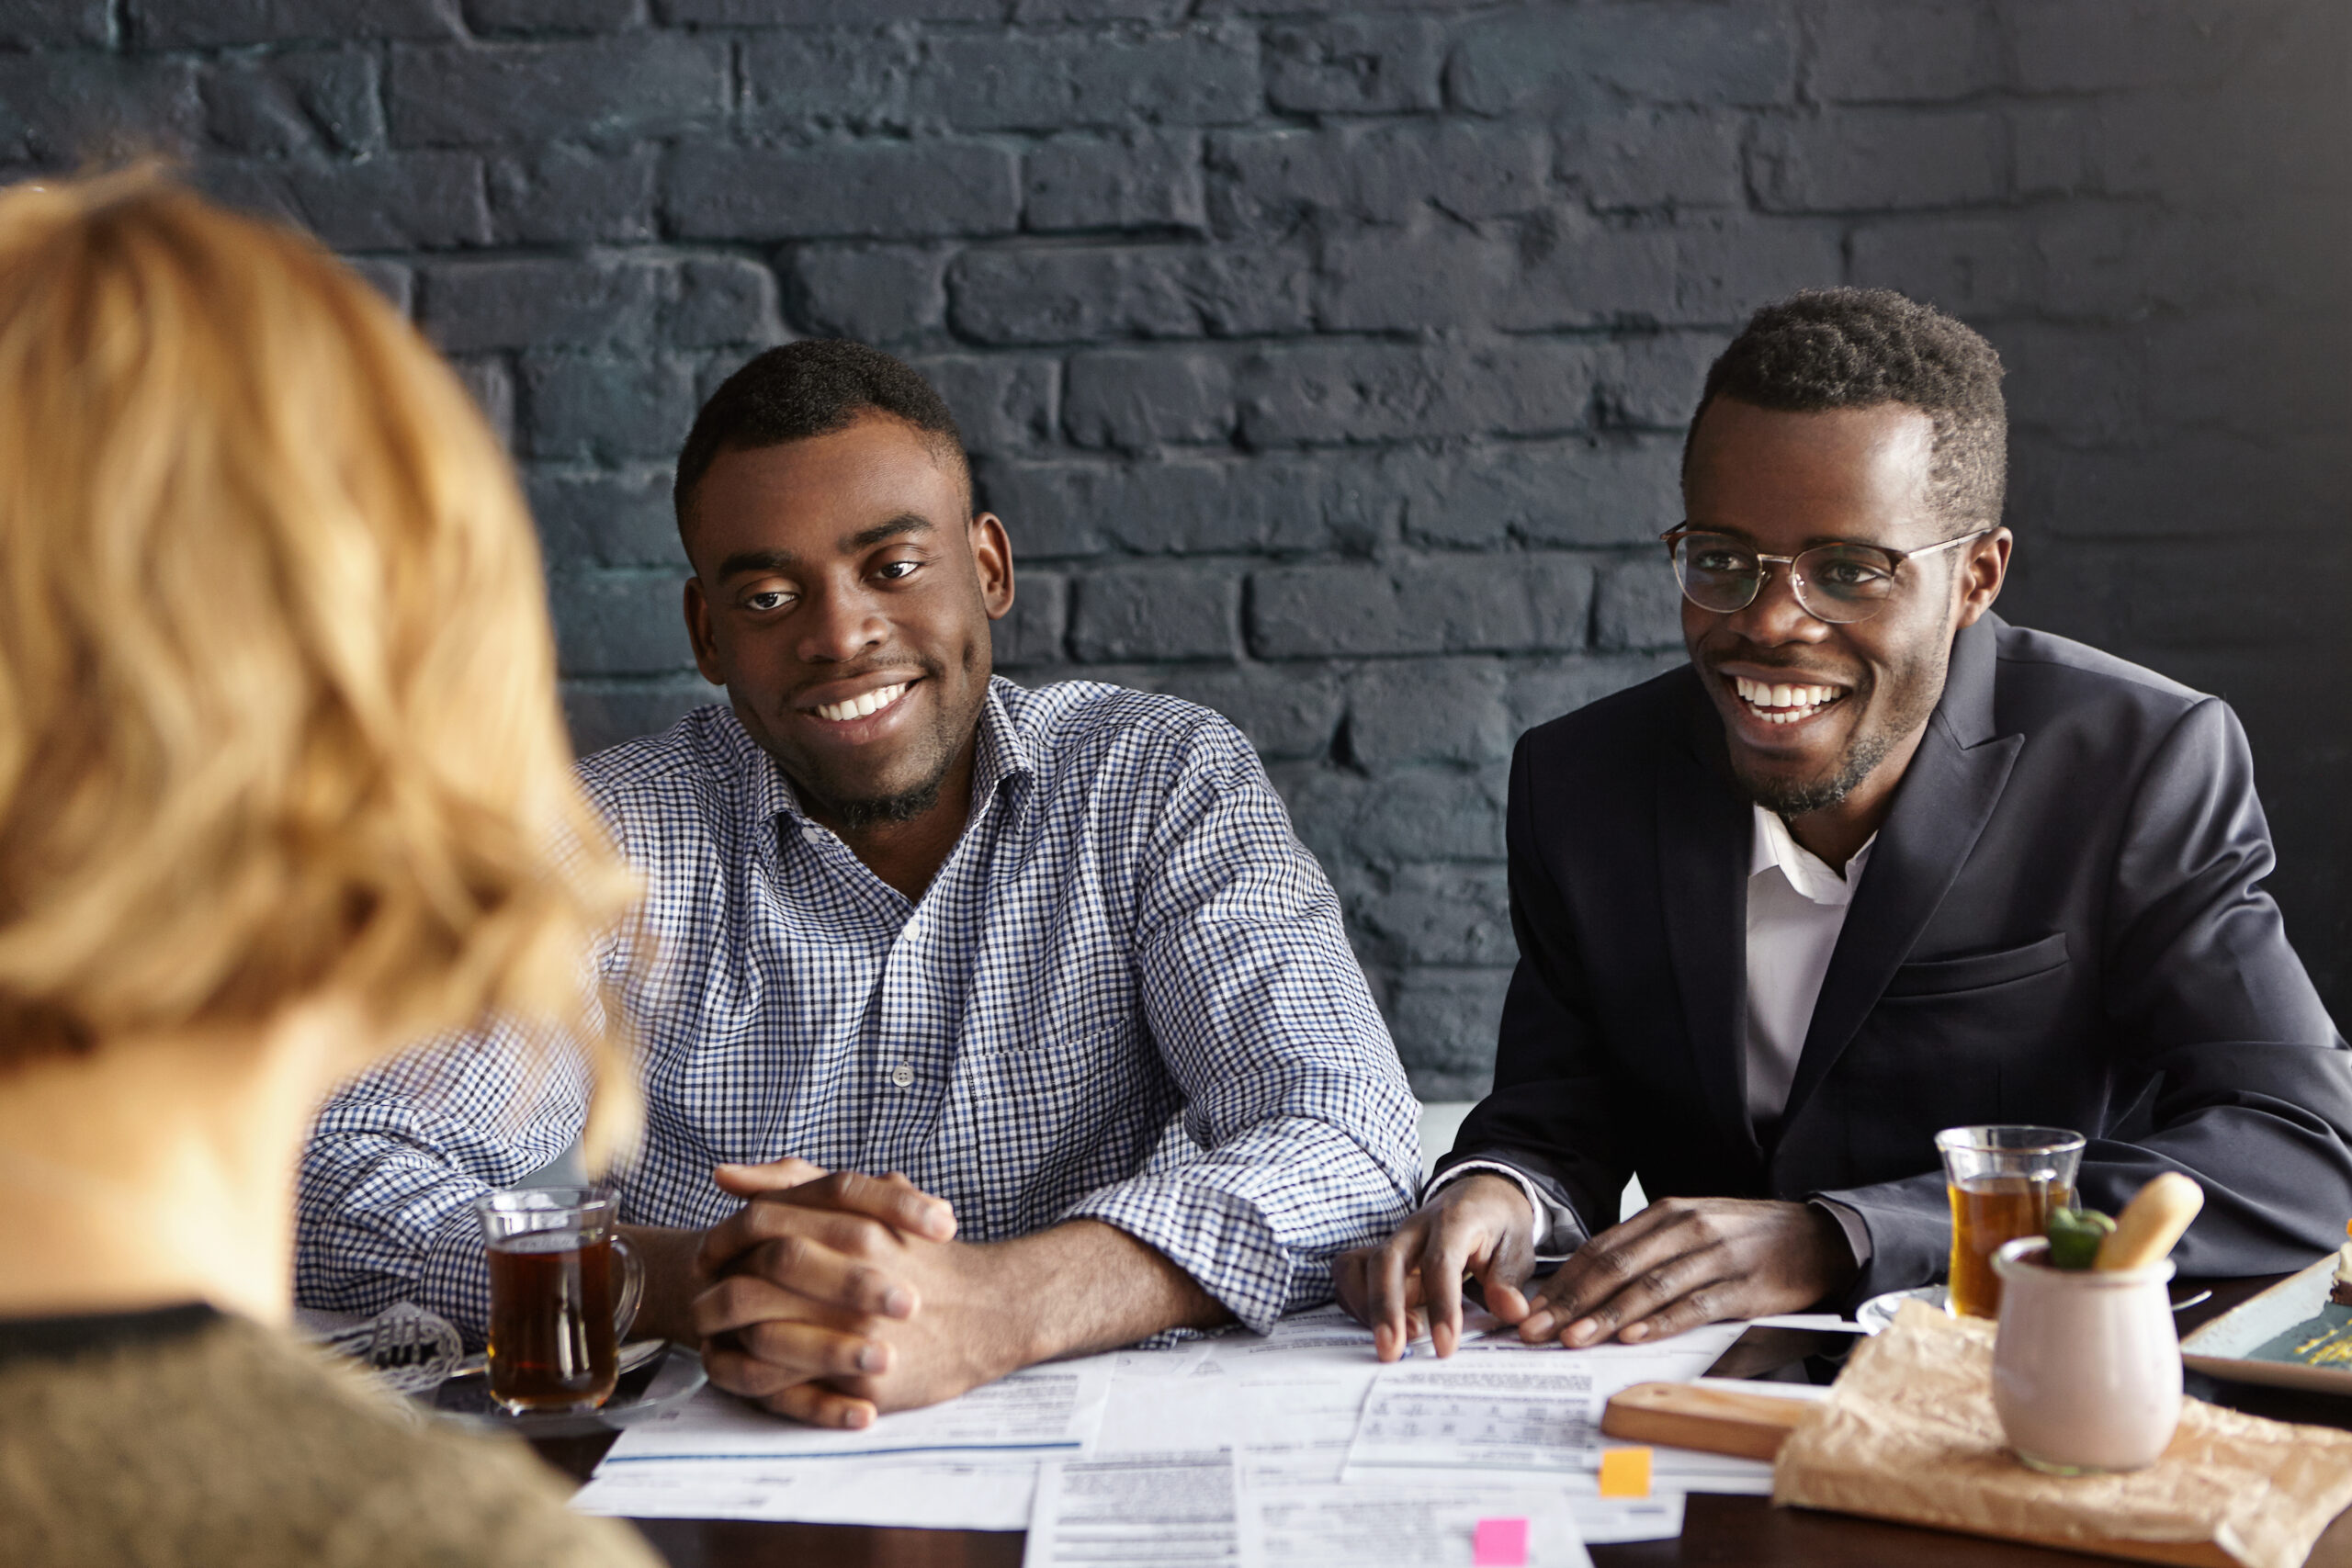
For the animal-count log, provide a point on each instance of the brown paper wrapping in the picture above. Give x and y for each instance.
(1909, 1434)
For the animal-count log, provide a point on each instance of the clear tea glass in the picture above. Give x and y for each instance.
(2003, 1183)
(564, 1289)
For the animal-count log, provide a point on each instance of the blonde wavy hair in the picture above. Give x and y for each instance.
(277, 713)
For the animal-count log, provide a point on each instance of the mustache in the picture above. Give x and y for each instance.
(1714, 659)
(895, 663)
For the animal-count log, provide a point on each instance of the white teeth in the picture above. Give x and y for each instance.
(1782, 704)
(874, 701)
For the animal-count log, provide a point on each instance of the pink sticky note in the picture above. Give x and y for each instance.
(1499, 1544)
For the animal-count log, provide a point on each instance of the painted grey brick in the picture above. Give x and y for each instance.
(1273, 182)
(1541, 690)
(1654, 383)
(827, 13)
(1356, 65)
(392, 280)
(882, 191)
(1592, 491)
(606, 712)
(1653, 157)
(563, 196)
(1030, 634)
(1136, 179)
(1023, 295)
(650, 83)
(825, 77)
(620, 623)
(1726, 265)
(2078, 46)
(1196, 76)
(1378, 392)
(491, 385)
(605, 409)
(1419, 815)
(1441, 604)
(1902, 50)
(203, 24)
(719, 300)
(46, 24)
(597, 517)
(1003, 403)
(1573, 272)
(393, 201)
(1156, 613)
(1964, 265)
(1181, 507)
(1637, 607)
(59, 111)
(295, 101)
(1881, 160)
(1438, 711)
(877, 294)
(1438, 915)
(1134, 400)
(552, 16)
(1383, 281)
(2076, 381)
(1444, 1023)
(1547, 59)
(1287, 712)
(539, 303)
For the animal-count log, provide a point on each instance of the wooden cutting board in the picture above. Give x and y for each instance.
(1754, 1425)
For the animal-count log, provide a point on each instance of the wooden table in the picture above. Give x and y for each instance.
(1716, 1530)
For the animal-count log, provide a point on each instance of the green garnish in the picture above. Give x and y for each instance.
(2075, 1236)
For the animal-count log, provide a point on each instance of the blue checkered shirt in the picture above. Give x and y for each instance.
(1125, 997)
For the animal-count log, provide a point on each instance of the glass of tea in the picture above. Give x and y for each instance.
(564, 1289)
(2003, 1183)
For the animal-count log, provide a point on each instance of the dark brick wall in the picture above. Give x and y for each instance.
(1327, 358)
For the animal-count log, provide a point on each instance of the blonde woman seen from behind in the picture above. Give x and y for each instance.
(282, 785)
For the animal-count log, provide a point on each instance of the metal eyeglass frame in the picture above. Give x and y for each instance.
(1796, 579)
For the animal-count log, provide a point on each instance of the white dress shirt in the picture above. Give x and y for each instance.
(1796, 907)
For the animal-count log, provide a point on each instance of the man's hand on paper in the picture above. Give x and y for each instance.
(1480, 1225)
(1685, 1261)
(843, 1280)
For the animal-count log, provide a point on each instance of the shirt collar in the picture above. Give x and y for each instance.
(1002, 754)
(1774, 848)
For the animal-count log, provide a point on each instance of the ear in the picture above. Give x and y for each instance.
(1982, 571)
(992, 560)
(703, 634)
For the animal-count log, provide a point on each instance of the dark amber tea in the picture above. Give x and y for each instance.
(551, 1340)
(1986, 1212)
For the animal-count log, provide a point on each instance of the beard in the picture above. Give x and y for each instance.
(1915, 687)
(856, 816)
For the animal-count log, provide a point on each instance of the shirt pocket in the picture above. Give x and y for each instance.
(1978, 971)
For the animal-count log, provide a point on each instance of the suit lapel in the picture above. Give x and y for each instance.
(1947, 795)
(1702, 831)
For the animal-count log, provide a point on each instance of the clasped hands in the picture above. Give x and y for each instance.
(1679, 1263)
(832, 1296)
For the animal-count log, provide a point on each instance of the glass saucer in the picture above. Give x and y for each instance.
(663, 1383)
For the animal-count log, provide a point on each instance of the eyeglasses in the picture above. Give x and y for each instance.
(1839, 583)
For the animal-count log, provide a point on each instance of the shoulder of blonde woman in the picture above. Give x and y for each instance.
(235, 1444)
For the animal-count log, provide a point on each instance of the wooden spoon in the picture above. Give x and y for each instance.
(2151, 1223)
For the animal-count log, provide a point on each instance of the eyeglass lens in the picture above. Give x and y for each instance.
(1834, 582)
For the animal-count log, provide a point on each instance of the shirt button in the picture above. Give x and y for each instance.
(903, 1075)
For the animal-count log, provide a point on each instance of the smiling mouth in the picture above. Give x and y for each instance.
(863, 706)
(1784, 702)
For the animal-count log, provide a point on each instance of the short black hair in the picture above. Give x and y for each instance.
(811, 387)
(1842, 348)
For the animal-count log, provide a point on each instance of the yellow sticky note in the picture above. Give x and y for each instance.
(1625, 1473)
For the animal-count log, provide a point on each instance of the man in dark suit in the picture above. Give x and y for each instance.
(1871, 865)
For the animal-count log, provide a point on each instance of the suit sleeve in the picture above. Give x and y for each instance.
(2252, 1083)
(2243, 1082)
(1550, 1115)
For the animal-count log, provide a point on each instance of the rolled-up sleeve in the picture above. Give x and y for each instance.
(1307, 1134)
(385, 1212)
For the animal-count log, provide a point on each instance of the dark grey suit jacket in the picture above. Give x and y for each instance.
(2062, 923)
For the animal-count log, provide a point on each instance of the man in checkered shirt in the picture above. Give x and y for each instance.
(1052, 954)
